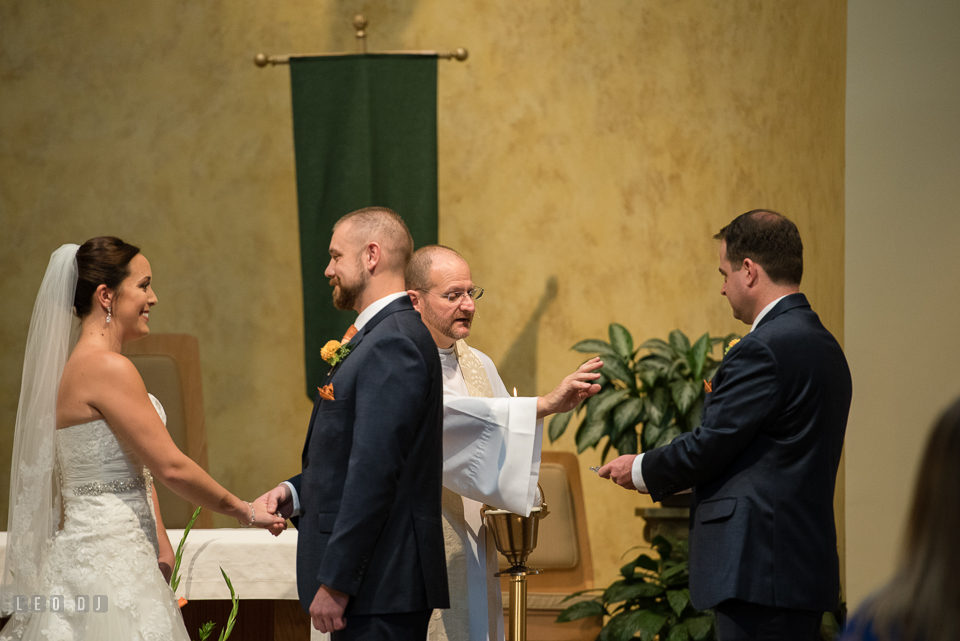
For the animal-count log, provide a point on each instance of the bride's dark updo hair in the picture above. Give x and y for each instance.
(103, 260)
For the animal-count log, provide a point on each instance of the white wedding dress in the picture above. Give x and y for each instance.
(106, 552)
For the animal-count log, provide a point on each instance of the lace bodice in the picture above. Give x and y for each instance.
(91, 453)
(96, 467)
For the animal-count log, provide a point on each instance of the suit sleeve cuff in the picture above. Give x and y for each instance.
(296, 498)
(637, 473)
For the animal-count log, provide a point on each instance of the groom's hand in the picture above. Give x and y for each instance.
(327, 608)
(268, 519)
(278, 501)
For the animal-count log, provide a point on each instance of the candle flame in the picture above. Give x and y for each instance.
(514, 392)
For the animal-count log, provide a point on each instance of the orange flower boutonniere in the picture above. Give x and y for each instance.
(707, 386)
(730, 345)
(326, 392)
(335, 351)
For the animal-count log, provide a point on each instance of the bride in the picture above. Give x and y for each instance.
(88, 433)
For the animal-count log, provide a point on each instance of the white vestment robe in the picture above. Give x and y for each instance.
(491, 451)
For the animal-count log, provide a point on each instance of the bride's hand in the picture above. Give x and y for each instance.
(263, 518)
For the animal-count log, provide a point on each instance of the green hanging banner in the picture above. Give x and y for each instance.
(365, 134)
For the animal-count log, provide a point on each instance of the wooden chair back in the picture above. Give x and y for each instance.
(170, 367)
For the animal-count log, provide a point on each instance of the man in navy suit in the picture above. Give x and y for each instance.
(763, 463)
(370, 553)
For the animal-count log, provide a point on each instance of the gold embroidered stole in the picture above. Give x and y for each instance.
(454, 624)
(478, 383)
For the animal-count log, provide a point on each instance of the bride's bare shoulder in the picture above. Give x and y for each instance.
(90, 367)
(91, 377)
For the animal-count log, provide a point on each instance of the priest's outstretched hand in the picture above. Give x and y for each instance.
(576, 387)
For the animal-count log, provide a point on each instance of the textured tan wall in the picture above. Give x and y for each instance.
(588, 151)
(903, 199)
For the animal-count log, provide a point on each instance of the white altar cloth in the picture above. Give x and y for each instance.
(259, 565)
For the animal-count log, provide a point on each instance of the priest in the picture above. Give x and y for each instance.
(491, 442)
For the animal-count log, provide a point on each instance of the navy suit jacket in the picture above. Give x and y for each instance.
(763, 466)
(369, 522)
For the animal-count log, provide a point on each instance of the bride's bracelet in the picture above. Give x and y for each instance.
(253, 516)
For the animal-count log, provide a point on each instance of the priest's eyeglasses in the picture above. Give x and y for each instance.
(455, 298)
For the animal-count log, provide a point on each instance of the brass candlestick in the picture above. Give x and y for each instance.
(516, 537)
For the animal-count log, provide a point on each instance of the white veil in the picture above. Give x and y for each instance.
(34, 515)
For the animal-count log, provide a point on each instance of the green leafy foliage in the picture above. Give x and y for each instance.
(621, 341)
(594, 346)
(207, 628)
(581, 610)
(651, 601)
(648, 396)
(232, 618)
(559, 425)
(175, 579)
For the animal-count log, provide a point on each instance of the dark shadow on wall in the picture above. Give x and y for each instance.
(519, 366)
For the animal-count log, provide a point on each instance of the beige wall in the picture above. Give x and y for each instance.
(903, 276)
(594, 146)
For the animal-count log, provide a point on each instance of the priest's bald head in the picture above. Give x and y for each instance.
(439, 285)
(369, 252)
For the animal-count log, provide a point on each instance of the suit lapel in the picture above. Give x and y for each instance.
(355, 342)
(313, 416)
(398, 305)
(791, 301)
(395, 306)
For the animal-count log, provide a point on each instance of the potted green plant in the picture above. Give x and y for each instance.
(648, 395)
(651, 599)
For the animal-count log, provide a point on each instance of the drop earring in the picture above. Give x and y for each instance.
(109, 314)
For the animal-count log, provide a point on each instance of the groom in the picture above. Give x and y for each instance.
(370, 557)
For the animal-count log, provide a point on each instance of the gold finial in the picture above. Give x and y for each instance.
(360, 24)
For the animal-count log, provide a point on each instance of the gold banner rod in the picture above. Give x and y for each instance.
(360, 24)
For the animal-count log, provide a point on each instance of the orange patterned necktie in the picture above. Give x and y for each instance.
(351, 332)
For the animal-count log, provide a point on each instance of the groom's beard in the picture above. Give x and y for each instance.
(345, 296)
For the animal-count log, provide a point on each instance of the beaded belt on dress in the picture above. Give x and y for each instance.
(120, 485)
